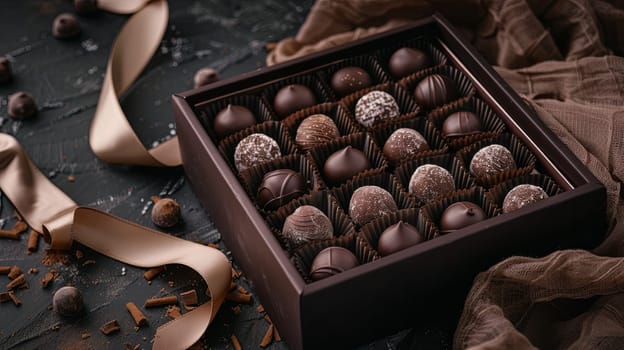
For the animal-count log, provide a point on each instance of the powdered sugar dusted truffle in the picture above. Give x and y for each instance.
(522, 195)
(375, 106)
(404, 143)
(370, 202)
(255, 149)
(430, 182)
(492, 160)
(307, 223)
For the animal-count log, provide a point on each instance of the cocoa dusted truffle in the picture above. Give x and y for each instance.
(435, 91)
(166, 213)
(255, 149)
(521, 196)
(205, 76)
(22, 106)
(307, 223)
(375, 106)
(406, 61)
(459, 215)
(68, 302)
(65, 26)
(332, 261)
(85, 7)
(344, 164)
(6, 75)
(492, 160)
(231, 119)
(350, 79)
(292, 98)
(279, 187)
(430, 182)
(398, 237)
(370, 202)
(316, 130)
(462, 123)
(404, 143)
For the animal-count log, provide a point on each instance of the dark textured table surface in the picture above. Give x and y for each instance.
(65, 78)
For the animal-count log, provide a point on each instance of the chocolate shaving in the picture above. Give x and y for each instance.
(14, 273)
(268, 337)
(174, 312)
(86, 335)
(33, 270)
(33, 241)
(110, 327)
(55, 257)
(276, 336)
(16, 282)
(260, 308)
(15, 299)
(4, 270)
(48, 278)
(136, 314)
(153, 272)
(238, 297)
(4, 297)
(236, 343)
(14, 233)
(189, 298)
(164, 301)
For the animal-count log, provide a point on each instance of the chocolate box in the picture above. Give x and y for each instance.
(385, 294)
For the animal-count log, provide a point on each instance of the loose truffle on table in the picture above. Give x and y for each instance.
(404, 143)
(397, 237)
(68, 302)
(374, 107)
(307, 223)
(279, 187)
(350, 79)
(462, 123)
(406, 61)
(255, 149)
(492, 160)
(166, 213)
(370, 202)
(22, 106)
(459, 215)
(521, 196)
(231, 119)
(344, 164)
(6, 75)
(66, 26)
(292, 98)
(430, 182)
(332, 261)
(205, 76)
(435, 91)
(317, 129)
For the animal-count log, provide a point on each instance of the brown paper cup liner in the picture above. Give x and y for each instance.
(371, 232)
(525, 160)
(309, 80)
(497, 193)
(367, 63)
(422, 43)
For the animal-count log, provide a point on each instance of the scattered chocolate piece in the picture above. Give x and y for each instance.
(404, 143)
(19, 280)
(255, 149)
(492, 160)
(55, 257)
(85, 7)
(344, 164)
(435, 91)
(307, 223)
(153, 272)
(350, 79)
(137, 315)
(6, 74)
(68, 302)
(85, 335)
(4, 270)
(174, 312)
(292, 98)
(231, 119)
(235, 343)
(268, 337)
(163, 301)
(279, 187)
(88, 262)
(14, 272)
(66, 26)
(110, 327)
(33, 271)
(171, 284)
(374, 107)
(331, 261)
(15, 299)
(166, 213)
(238, 297)
(406, 61)
(430, 182)
(22, 106)
(71, 178)
(260, 308)
(189, 298)
(462, 123)
(4, 297)
(315, 130)
(521, 196)
(33, 241)
(56, 327)
(397, 237)
(48, 278)
(205, 76)
(276, 336)
(459, 215)
(370, 202)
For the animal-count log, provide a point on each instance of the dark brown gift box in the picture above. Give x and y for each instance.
(396, 291)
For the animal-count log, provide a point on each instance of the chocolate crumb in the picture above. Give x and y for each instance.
(189, 299)
(14, 272)
(4, 270)
(153, 272)
(110, 327)
(86, 335)
(174, 312)
(13, 297)
(48, 278)
(71, 178)
(55, 257)
(56, 327)
(33, 271)
(171, 284)
(4, 297)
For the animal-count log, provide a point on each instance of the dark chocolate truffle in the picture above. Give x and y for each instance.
(166, 213)
(6, 75)
(492, 160)
(68, 302)
(435, 91)
(292, 98)
(522, 195)
(279, 187)
(406, 61)
(350, 79)
(205, 76)
(370, 202)
(404, 143)
(398, 237)
(22, 105)
(343, 164)
(317, 129)
(462, 123)
(305, 224)
(430, 182)
(332, 261)
(459, 215)
(255, 149)
(231, 119)
(66, 26)
(375, 106)
(85, 7)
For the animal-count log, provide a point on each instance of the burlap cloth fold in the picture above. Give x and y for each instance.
(564, 58)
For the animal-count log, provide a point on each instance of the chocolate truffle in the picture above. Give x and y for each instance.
(398, 237)
(375, 106)
(492, 160)
(22, 105)
(343, 164)
(435, 91)
(292, 98)
(65, 26)
(317, 129)
(522, 195)
(406, 61)
(85, 7)
(462, 123)
(305, 224)
(68, 302)
(332, 261)
(205, 76)
(231, 119)
(255, 149)
(459, 215)
(430, 182)
(6, 75)
(370, 202)
(166, 213)
(279, 187)
(350, 79)
(404, 143)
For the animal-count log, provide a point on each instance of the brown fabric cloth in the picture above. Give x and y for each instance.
(564, 58)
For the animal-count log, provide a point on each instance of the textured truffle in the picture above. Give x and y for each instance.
(305, 224)
(462, 123)
(68, 302)
(404, 144)
(65, 26)
(398, 237)
(166, 213)
(430, 182)
(292, 98)
(459, 215)
(435, 91)
(492, 160)
(85, 7)
(317, 129)
(22, 105)
(231, 119)
(375, 106)
(332, 261)
(344, 164)
(6, 75)
(255, 149)
(406, 61)
(205, 76)
(370, 202)
(521, 196)
(350, 79)
(279, 187)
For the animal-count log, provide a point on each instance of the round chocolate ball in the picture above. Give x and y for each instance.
(492, 160)
(279, 187)
(292, 98)
(205, 76)
(462, 123)
(85, 7)
(406, 61)
(166, 213)
(350, 79)
(332, 261)
(317, 129)
(6, 75)
(68, 302)
(343, 164)
(398, 237)
(370, 202)
(435, 91)
(231, 119)
(521, 196)
(459, 215)
(430, 182)
(307, 223)
(65, 26)
(403, 144)
(374, 107)
(22, 106)
(255, 149)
